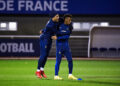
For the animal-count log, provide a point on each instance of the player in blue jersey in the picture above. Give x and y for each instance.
(45, 43)
(62, 47)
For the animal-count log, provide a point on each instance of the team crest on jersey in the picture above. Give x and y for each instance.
(59, 52)
(67, 28)
(45, 46)
(63, 31)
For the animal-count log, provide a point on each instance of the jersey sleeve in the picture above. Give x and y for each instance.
(63, 37)
(43, 30)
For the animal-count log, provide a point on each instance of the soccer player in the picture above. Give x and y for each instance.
(45, 43)
(62, 47)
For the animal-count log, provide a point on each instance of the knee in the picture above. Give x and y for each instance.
(57, 62)
(70, 61)
(42, 57)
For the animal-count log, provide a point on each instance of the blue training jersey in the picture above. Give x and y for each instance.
(50, 30)
(64, 32)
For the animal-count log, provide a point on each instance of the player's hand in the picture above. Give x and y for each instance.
(40, 31)
(54, 37)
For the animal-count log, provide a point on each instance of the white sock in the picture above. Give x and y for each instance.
(42, 69)
(38, 70)
(70, 74)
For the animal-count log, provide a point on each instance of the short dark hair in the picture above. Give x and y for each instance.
(67, 15)
(53, 14)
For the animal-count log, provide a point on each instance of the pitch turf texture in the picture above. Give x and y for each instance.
(93, 73)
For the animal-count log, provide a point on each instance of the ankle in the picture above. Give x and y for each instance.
(42, 69)
(56, 75)
(69, 74)
(38, 70)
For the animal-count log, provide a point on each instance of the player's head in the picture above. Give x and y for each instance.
(54, 16)
(67, 19)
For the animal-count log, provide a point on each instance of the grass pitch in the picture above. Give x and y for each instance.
(93, 73)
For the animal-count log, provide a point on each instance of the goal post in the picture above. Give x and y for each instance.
(104, 41)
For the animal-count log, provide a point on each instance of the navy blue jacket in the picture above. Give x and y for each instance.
(64, 32)
(50, 30)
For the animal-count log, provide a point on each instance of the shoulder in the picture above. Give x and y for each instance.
(62, 24)
(49, 23)
(71, 24)
(61, 20)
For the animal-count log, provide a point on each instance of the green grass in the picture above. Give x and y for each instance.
(93, 73)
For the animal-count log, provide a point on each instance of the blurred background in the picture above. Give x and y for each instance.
(96, 27)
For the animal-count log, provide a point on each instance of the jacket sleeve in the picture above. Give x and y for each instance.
(61, 33)
(43, 30)
(50, 28)
(63, 37)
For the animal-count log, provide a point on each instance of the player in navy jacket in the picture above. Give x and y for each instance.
(45, 43)
(62, 47)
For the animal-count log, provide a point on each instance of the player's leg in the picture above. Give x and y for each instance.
(45, 59)
(70, 62)
(42, 57)
(58, 61)
(68, 55)
(48, 48)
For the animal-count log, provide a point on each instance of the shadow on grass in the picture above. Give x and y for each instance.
(86, 81)
(100, 82)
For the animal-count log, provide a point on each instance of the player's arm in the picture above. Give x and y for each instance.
(58, 33)
(63, 37)
(42, 30)
(50, 28)
(62, 33)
